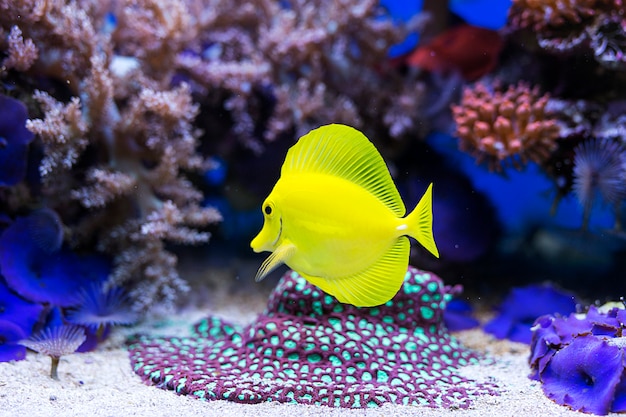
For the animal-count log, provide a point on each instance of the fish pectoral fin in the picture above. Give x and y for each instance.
(280, 256)
(373, 286)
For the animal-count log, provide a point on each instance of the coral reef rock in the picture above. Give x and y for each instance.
(308, 348)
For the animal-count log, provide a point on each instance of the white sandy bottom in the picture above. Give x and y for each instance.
(102, 384)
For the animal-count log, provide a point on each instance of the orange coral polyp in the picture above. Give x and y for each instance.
(482, 128)
(503, 127)
(510, 126)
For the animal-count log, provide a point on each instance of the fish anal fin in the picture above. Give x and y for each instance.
(280, 256)
(373, 286)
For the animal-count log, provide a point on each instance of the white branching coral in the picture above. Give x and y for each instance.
(154, 31)
(312, 63)
(103, 186)
(119, 144)
(21, 53)
(63, 132)
(124, 83)
(141, 252)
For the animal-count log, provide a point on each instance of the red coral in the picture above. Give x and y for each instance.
(512, 125)
(471, 50)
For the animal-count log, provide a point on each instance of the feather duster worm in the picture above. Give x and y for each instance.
(597, 172)
(55, 342)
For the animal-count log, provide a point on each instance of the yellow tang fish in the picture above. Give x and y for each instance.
(336, 217)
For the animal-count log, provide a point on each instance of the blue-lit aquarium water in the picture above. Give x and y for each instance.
(251, 171)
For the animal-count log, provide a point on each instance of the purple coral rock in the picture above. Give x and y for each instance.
(41, 275)
(10, 335)
(584, 374)
(522, 307)
(14, 140)
(309, 348)
(17, 310)
(580, 360)
(458, 316)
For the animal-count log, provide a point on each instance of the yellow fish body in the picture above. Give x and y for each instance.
(336, 217)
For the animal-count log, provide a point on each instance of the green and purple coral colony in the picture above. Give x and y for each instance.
(309, 348)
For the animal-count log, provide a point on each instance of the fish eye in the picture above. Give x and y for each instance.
(268, 210)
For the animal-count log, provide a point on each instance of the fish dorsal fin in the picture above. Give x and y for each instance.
(376, 285)
(346, 153)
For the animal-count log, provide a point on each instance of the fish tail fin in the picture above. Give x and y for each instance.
(419, 223)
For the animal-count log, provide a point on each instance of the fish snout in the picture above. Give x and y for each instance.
(268, 237)
(262, 242)
(256, 244)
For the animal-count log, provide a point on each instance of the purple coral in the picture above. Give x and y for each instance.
(308, 348)
(580, 359)
(10, 335)
(458, 316)
(14, 140)
(45, 228)
(564, 27)
(39, 274)
(608, 40)
(522, 306)
(18, 311)
(584, 374)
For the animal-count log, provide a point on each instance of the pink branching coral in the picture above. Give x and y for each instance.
(505, 126)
